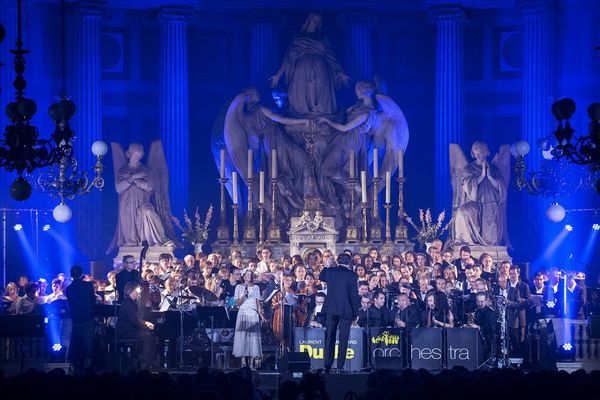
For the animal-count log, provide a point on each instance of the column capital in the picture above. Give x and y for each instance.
(274, 18)
(183, 15)
(449, 12)
(532, 7)
(92, 8)
(365, 18)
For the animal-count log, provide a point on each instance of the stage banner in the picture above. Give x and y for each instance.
(385, 342)
(463, 348)
(312, 340)
(426, 348)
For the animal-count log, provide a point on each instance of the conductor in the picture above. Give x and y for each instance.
(341, 307)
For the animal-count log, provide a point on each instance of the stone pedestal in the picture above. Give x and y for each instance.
(152, 255)
(499, 253)
(312, 235)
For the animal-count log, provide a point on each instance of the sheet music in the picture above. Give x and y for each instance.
(290, 299)
(537, 300)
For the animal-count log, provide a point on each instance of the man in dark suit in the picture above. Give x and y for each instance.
(81, 299)
(341, 307)
(128, 274)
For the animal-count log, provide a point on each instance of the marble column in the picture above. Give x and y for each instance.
(359, 59)
(174, 102)
(537, 99)
(536, 108)
(449, 96)
(265, 57)
(87, 121)
(8, 18)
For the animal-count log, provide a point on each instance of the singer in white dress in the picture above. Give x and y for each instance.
(247, 342)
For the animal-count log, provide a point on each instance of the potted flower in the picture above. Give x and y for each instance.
(428, 231)
(196, 232)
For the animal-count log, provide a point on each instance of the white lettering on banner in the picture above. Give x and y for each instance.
(426, 353)
(459, 353)
(390, 352)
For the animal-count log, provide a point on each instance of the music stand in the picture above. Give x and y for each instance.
(211, 313)
(22, 326)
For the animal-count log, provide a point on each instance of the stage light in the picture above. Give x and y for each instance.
(46, 228)
(550, 304)
(567, 347)
(596, 227)
(568, 227)
(18, 227)
(57, 347)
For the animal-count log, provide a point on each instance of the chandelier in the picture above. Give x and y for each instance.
(21, 149)
(63, 179)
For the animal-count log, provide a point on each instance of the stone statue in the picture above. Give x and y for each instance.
(312, 72)
(144, 208)
(479, 195)
(374, 121)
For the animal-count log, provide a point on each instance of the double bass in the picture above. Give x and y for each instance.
(289, 311)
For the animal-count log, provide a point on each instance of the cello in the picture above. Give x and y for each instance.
(282, 320)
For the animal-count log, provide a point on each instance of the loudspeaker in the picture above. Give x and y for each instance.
(297, 362)
(393, 363)
(594, 326)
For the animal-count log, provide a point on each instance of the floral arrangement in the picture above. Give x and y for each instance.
(194, 232)
(428, 231)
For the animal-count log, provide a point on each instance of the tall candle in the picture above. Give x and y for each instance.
(352, 165)
(274, 163)
(234, 183)
(222, 170)
(375, 163)
(261, 184)
(363, 185)
(250, 164)
(388, 187)
(401, 163)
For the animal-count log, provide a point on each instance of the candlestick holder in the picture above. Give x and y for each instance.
(364, 221)
(376, 225)
(223, 229)
(261, 223)
(249, 225)
(351, 229)
(235, 224)
(274, 231)
(401, 228)
(388, 230)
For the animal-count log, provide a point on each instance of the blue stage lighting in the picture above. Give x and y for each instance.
(567, 347)
(596, 227)
(550, 304)
(57, 347)
(568, 227)
(18, 227)
(46, 228)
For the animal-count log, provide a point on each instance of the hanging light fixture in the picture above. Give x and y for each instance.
(63, 180)
(21, 149)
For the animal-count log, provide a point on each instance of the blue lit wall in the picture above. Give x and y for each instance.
(404, 55)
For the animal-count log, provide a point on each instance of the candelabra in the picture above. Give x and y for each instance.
(235, 225)
(21, 149)
(364, 221)
(274, 231)
(249, 227)
(223, 230)
(401, 229)
(388, 230)
(351, 229)
(376, 225)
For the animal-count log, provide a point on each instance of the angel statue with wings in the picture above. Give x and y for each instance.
(479, 195)
(144, 208)
(374, 121)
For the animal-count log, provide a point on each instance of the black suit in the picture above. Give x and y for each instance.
(410, 316)
(81, 299)
(341, 306)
